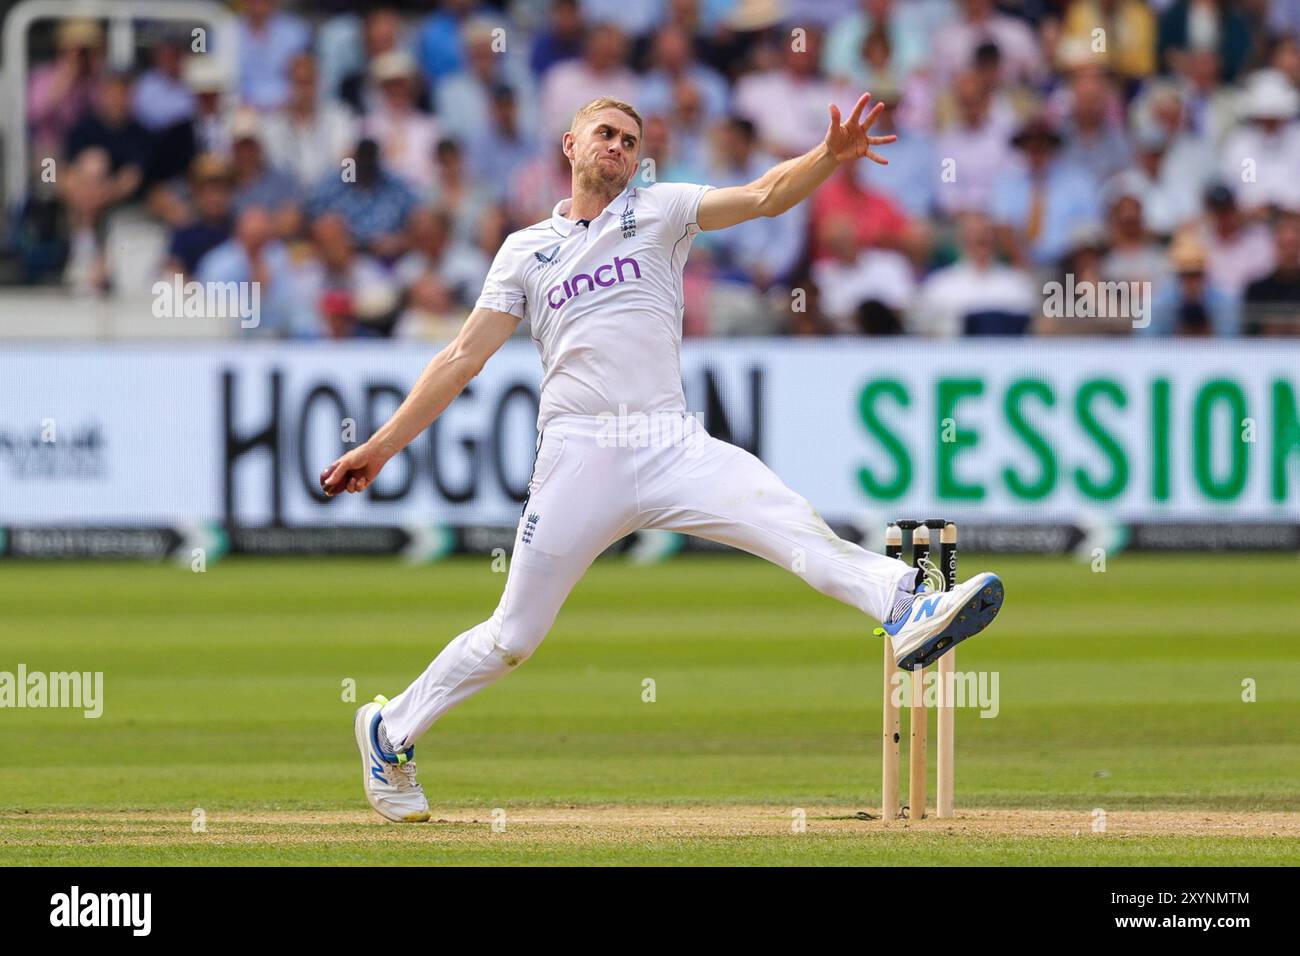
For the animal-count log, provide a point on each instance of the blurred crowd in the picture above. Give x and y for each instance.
(364, 167)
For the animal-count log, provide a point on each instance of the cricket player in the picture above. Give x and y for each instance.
(600, 285)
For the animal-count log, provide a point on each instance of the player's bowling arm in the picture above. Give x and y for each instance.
(442, 380)
(445, 377)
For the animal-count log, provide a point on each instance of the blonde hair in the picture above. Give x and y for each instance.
(606, 103)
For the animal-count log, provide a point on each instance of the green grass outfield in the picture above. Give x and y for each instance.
(1118, 691)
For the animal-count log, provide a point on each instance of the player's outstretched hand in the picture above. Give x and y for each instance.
(852, 139)
(353, 472)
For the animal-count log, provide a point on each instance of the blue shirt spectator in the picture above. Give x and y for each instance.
(268, 40)
(375, 207)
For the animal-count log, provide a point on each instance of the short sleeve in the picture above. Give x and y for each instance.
(680, 203)
(503, 289)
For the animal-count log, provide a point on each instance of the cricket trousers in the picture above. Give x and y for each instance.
(593, 485)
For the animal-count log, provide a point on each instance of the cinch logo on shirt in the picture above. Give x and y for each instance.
(611, 273)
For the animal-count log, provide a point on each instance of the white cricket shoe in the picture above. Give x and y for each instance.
(389, 778)
(939, 620)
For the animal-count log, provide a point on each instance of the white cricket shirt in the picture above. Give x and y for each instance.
(604, 301)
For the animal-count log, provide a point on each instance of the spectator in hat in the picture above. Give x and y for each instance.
(61, 93)
(382, 33)
(1262, 156)
(977, 293)
(210, 124)
(1272, 302)
(465, 97)
(310, 135)
(269, 39)
(212, 181)
(406, 137)
(256, 181)
(503, 149)
(375, 205)
(1190, 303)
(1238, 250)
(1042, 200)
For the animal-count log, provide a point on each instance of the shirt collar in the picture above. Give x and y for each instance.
(564, 226)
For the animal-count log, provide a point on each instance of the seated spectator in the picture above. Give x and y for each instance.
(980, 22)
(635, 20)
(210, 125)
(406, 136)
(257, 182)
(269, 39)
(877, 221)
(1211, 104)
(1263, 155)
(1272, 303)
(1078, 302)
(1042, 200)
(910, 178)
(975, 289)
(1133, 256)
(254, 254)
(345, 294)
(1130, 31)
(1238, 251)
(850, 276)
(1187, 27)
(455, 192)
(438, 43)
(503, 149)
(440, 277)
(1190, 304)
(375, 206)
(465, 97)
(559, 39)
(382, 33)
(802, 93)
(62, 93)
(1093, 123)
(212, 180)
(538, 186)
(903, 27)
(976, 146)
(162, 99)
(568, 85)
(310, 135)
(111, 128)
(766, 249)
(88, 190)
(673, 61)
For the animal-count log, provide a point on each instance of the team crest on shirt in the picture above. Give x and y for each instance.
(629, 223)
(529, 527)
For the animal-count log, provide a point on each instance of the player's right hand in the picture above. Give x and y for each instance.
(353, 472)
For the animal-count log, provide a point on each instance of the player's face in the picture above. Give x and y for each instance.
(604, 151)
